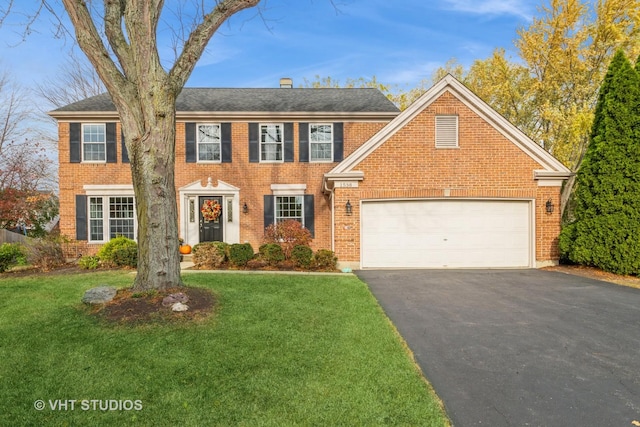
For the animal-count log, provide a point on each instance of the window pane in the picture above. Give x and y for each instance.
(320, 141)
(121, 217)
(208, 133)
(271, 152)
(270, 133)
(209, 152)
(96, 229)
(93, 139)
(209, 143)
(289, 207)
(320, 133)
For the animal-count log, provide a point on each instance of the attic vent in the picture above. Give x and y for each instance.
(286, 83)
(446, 131)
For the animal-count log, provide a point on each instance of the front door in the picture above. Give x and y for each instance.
(211, 219)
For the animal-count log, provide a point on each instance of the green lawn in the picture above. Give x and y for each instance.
(280, 350)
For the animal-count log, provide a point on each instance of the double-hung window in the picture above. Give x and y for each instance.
(110, 217)
(271, 143)
(320, 142)
(94, 145)
(208, 142)
(289, 207)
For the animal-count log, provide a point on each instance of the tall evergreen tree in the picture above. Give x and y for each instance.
(606, 229)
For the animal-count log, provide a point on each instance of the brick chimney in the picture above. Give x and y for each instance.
(286, 83)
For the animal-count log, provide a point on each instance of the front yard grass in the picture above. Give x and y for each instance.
(279, 350)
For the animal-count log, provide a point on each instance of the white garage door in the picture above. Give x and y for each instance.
(446, 234)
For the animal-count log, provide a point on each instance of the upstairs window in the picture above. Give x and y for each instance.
(320, 142)
(94, 143)
(208, 143)
(446, 131)
(271, 143)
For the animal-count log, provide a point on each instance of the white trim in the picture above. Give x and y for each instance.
(198, 142)
(106, 219)
(237, 116)
(473, 102)
(288, 189)
(329, 160)
(82, 143)
(261, 143)
(190, 231)
(446, 131)
(108, 190)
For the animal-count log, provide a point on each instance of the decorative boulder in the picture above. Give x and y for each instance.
(179, 307)
(99, 295)
(174, 298)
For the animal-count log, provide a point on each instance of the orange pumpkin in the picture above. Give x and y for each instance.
(185, 249)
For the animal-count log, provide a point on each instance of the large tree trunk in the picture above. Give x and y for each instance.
(152, 156)
(145, 97)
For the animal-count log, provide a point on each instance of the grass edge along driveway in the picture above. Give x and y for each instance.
(280, 350)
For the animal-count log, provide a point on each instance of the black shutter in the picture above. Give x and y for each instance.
(254, 144)
(110, 131)
(75, 139)
(81, 217)
(303, 142)
(309, 214)
(190, 141)
(125, 153)
(225, 140)
(338, 142)
(269, 207)
(288, 142)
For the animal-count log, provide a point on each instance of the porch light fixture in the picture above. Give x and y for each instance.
(349, 208)
(245, 208)
(549, 206)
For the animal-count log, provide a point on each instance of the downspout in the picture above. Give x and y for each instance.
(333, 217)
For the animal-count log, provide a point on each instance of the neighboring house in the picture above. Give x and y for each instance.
(446, 183)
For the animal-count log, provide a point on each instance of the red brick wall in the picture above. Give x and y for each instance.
(408, 165)
(253, 179)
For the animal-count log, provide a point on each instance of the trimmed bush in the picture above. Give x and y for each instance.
(240, 254)
(210, 254)
(287, 234)
(271, 253)
(10, 254)
(302, 256)
(119, 252)
(89, 262)
(45, 254)
(325, 260)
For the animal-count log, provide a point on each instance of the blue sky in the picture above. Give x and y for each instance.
(400, 42)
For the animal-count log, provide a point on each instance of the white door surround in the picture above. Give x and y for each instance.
(189, 210)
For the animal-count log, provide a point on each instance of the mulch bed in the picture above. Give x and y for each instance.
(597, 274)
(146, 307)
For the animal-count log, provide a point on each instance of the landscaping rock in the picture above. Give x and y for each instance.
(179, 307)
(174, 298)
(99, 295)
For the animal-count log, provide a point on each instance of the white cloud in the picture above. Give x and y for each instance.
(520, 8)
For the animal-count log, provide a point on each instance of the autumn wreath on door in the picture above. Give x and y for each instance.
(211, 210)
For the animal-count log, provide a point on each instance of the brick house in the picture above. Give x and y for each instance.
(446, 183)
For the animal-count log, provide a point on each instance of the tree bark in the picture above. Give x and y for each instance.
(145, 96)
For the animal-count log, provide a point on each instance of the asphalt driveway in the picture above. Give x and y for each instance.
(520, 347)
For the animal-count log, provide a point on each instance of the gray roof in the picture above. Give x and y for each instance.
(327, 100)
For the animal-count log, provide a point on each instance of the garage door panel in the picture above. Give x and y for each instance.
(449, 234)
